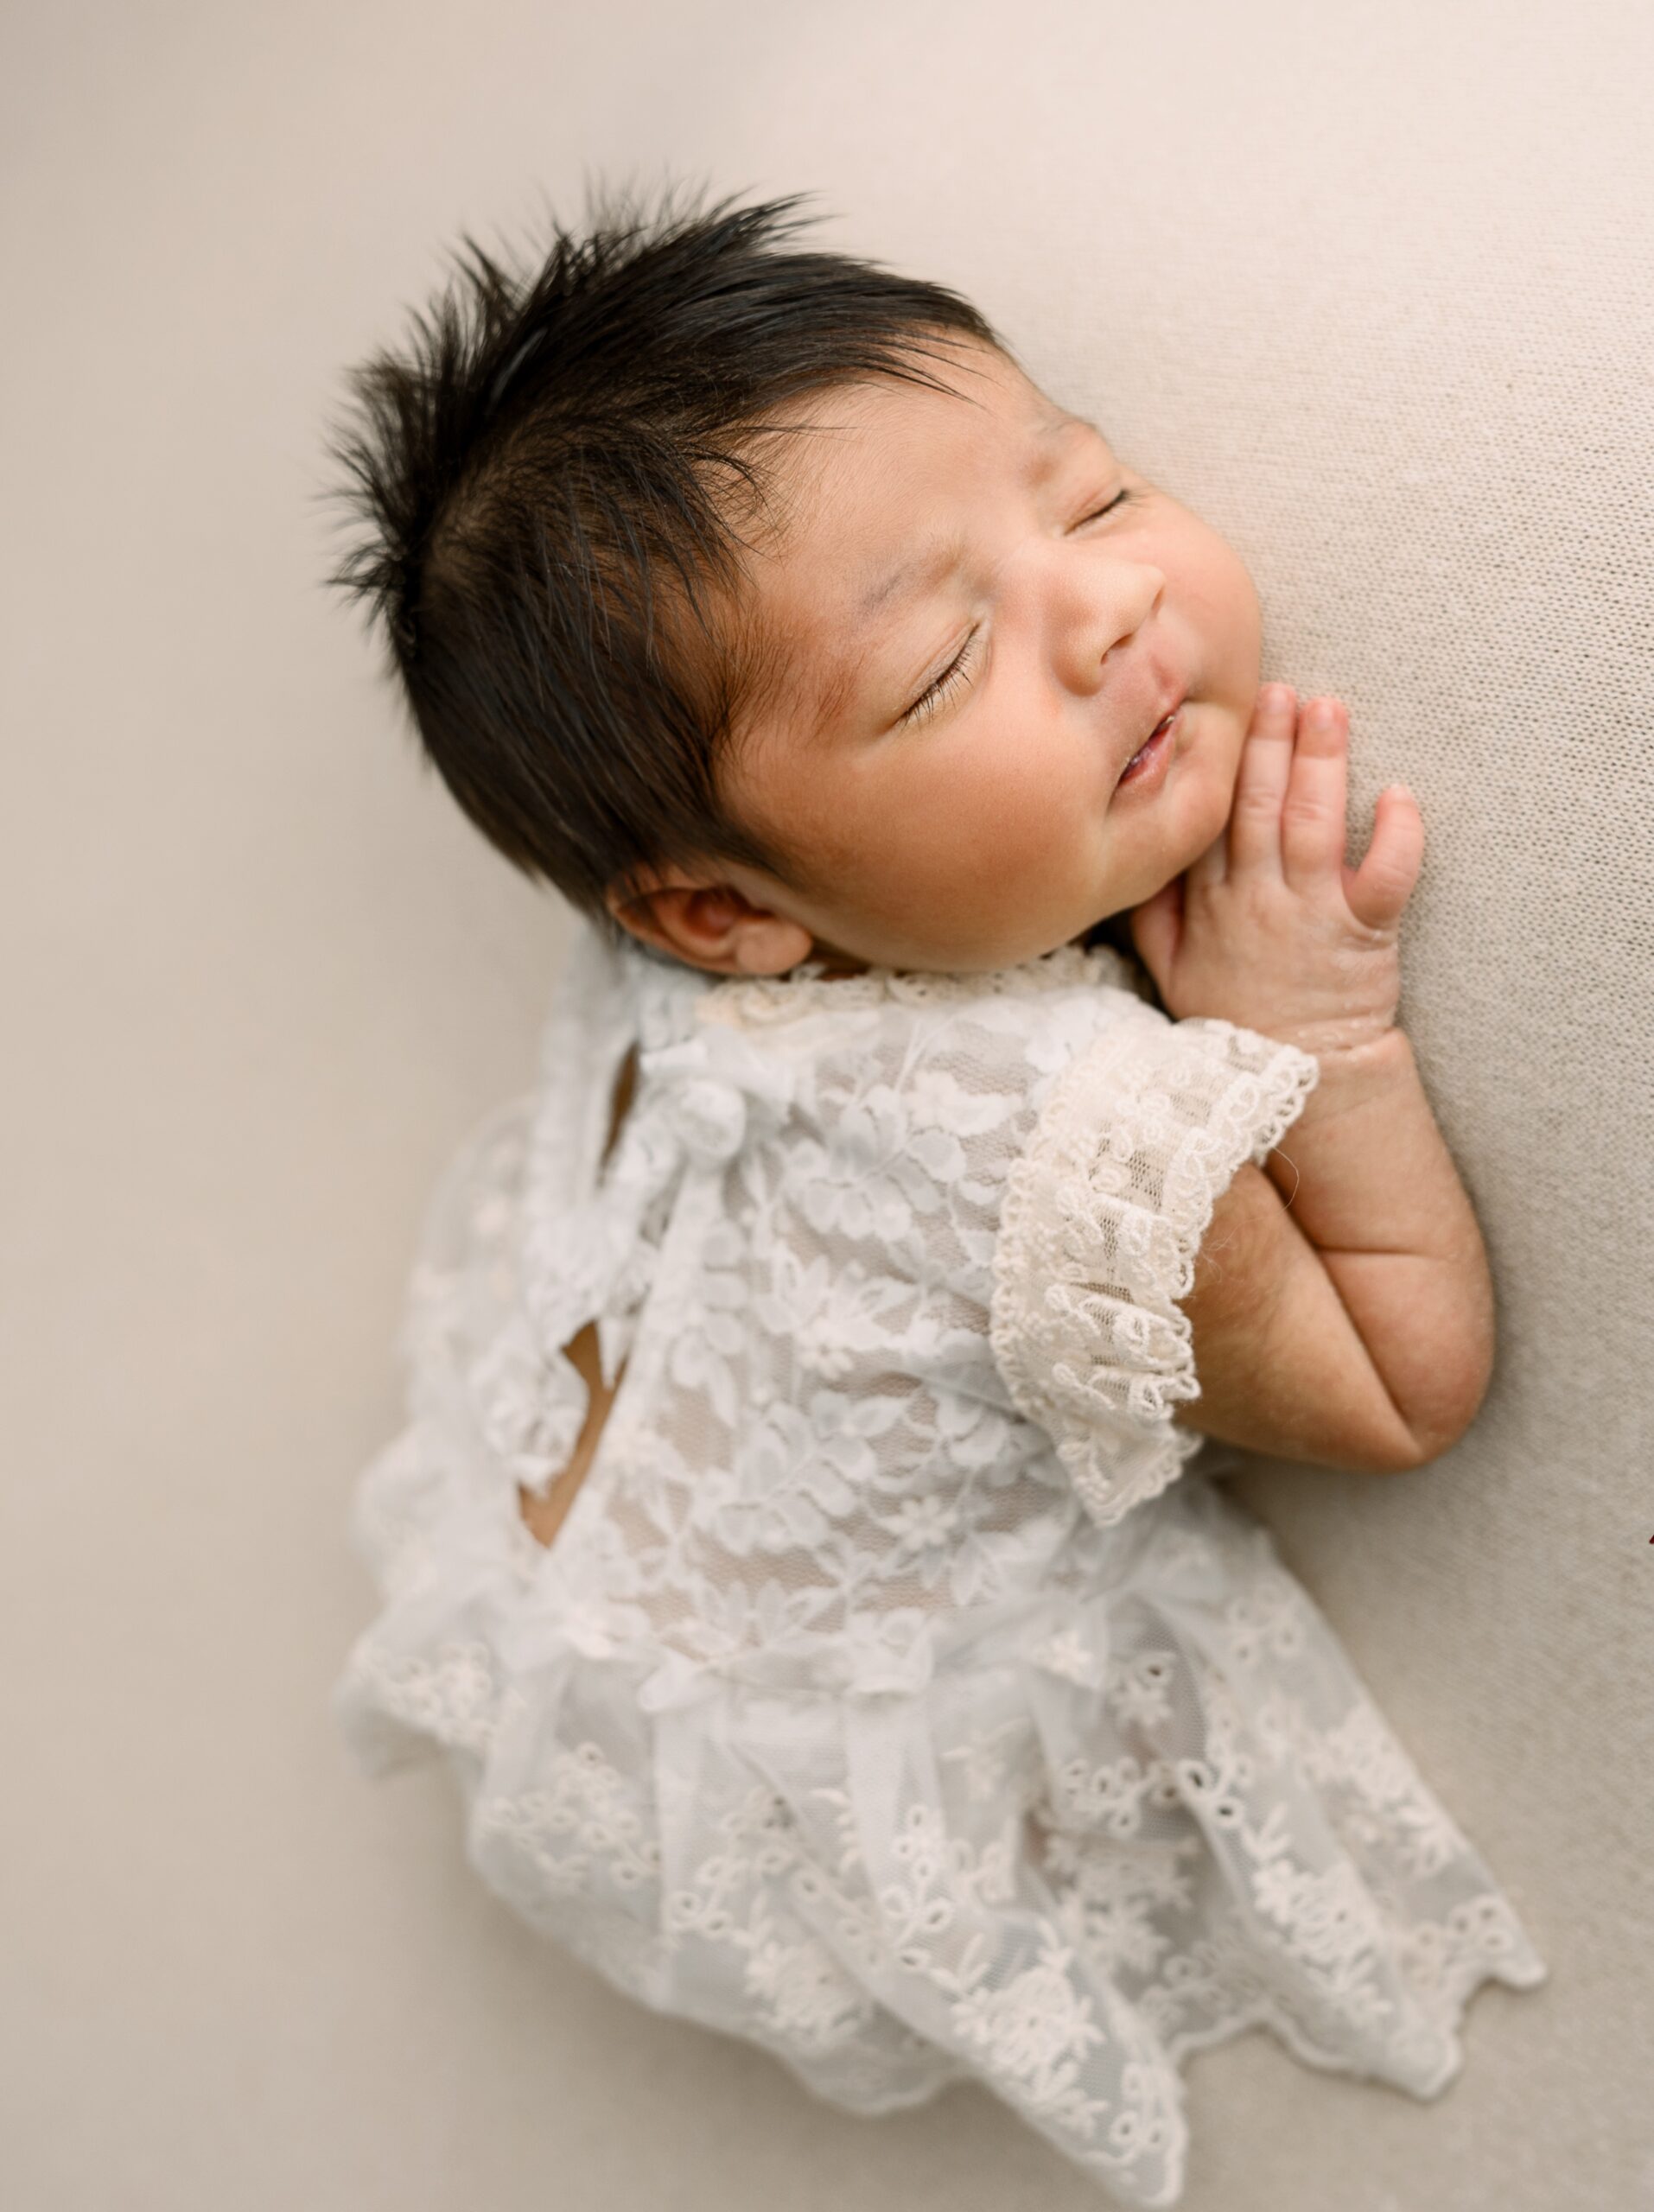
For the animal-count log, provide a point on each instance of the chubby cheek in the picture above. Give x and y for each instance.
(968, 827)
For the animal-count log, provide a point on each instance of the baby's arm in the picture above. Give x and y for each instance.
(1342, 1309)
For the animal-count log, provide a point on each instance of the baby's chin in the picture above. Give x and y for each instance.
(1194, 810)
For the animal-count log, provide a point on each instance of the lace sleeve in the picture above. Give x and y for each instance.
(1103, 1212)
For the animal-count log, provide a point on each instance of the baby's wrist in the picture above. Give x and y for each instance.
(1348, 1043)
(1356, 1074)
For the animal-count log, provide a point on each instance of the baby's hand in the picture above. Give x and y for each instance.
(1271, 928)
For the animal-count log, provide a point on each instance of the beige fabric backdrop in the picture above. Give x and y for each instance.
(1369, 286)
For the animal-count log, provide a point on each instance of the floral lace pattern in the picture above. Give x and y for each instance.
(1101, 1219)
(883, 1699)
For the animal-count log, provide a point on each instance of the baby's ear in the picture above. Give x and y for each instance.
(709, 924)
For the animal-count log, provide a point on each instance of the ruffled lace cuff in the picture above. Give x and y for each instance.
(1103, 1214)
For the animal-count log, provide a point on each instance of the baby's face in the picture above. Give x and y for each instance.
(946, 745)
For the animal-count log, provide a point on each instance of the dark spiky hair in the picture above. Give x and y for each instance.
(551, 475)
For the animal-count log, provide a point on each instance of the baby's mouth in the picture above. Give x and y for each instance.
(1161, 729)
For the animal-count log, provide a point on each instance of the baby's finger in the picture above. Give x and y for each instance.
(1312, 814)
(1376, 891)
(1261, 786)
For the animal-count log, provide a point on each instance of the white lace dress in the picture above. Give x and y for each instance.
(895, 1694)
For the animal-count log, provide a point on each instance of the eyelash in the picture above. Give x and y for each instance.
(954, 677)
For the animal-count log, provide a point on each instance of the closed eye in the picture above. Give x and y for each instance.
(949, 682)
(1118, 500)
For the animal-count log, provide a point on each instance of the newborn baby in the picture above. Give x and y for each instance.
(976, 1081)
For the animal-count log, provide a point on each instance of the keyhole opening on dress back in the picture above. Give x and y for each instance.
(545, 1515)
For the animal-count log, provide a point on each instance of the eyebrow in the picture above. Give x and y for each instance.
(935, 559)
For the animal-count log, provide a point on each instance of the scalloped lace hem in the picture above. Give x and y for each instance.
(1466, 1975)
(1069, 1225)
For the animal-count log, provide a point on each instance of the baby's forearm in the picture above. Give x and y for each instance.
(1368, 1178)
